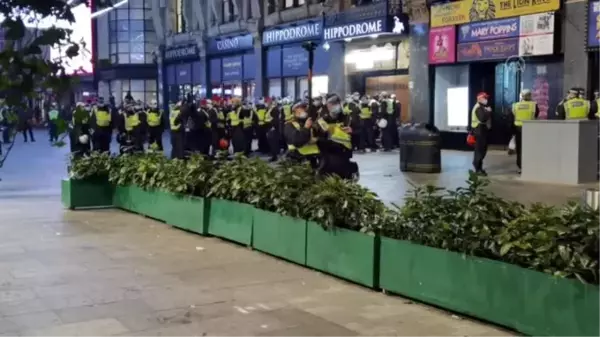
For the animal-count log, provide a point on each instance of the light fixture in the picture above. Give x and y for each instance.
(326, 46)
(374, 36)
(348, 40)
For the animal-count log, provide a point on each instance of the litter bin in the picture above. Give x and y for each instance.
(420, 149)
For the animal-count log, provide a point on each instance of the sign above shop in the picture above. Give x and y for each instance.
(387, 25)
(180, 53)
(593, 40)
(536, 34)
(230, 44)
(488, 30)
(465, 11)
(442, 45)
(292, 33)
(488, 50)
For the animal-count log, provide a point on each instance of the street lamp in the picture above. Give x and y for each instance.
(310, 47)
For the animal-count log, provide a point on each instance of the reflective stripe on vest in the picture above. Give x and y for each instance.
(576, 108)
(365, 113)
(174, 114)
(234, 116)
(390, 106)
(53, 115)
(132, 121)
(154, 118)
(221, 118)
(247, 121)
(287, 111)
(262, 116)
(523, 111)
(308, 149)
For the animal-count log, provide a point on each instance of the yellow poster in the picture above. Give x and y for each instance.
(454, 13)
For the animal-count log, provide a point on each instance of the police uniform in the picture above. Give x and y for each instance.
(176, 127)
(481, 123)
(367, 139)
(155, 127)
(102, 122)
(53, 116)
(523, 111)
(263, 125)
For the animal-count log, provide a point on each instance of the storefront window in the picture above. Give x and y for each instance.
(451, 98)
(132, 38)
(290, 88)
(144, 90)
(185, 90)
(369, 59)
(199, 91)
(275, 87)
(250, 86)
(319, 85)
(302, 89)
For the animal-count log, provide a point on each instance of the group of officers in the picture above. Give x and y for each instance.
(573, 106)
(324, 131)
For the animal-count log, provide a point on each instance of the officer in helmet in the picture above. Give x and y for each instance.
(101, 121)
(300, 136)
(155, 126)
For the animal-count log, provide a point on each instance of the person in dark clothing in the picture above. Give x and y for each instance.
(481, 123)
(276, 120)
(335, 142)
(353, 116)
(101, 121)
(524, 110)
(193, 121)
(155, 124)
(177, 131)
(214, 136)
(204, 128)
(397, 108)
(25, 122)
(367, 122)
(388, 113)
(595, 106)
(300, 137)
(249, 122)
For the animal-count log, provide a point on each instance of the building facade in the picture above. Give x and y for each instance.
(254, 48)
(126, 52)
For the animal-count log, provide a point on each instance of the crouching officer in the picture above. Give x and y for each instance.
(335, 142)
(299, 135)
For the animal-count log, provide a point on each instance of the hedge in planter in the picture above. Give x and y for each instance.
(279, 235)
(86, 193)
(525, 300)
(88, 184)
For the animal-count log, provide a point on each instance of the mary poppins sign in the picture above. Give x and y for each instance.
(231, 44)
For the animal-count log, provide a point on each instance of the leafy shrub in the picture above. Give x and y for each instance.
(335, 202)
(94, 165)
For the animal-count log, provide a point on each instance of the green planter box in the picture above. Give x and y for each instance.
(348, 254)
(138, 200)
(231, 220)
(278, 235)
(528, 301)
(185, 212)
(86, 193)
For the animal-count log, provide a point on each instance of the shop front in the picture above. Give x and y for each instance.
(593, 45)
(185, 73)
(376, 53)
(287, 61)
(232, 66)
(500, 57)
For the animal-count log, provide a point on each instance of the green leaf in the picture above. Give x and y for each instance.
(505, 248)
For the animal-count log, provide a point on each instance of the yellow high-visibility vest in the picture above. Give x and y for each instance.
(207, 124)
(103, 118)
(336, 133)
(576, 108)
(247, 121)
(390, 106)
(52, 115)
(269, 116)
(132, 121)
(365, 113)
(347, 109)
(287, 111)
(475, 120)
(234, 116)
(598, 107)
(154, 118)
(174, 114)
(523, 111)
(262, 116)
(308, 149)
(221, 118)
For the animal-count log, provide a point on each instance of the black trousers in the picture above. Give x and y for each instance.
(155, 137)
(52, 131)
(177, 145)
(274, 137)
(101, 139)
(261, 134)
(26, 128)
(367, 138)
(248, 138)
(518, 142)
(481, 146)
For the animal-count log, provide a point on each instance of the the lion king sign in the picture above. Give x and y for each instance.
(465, 11)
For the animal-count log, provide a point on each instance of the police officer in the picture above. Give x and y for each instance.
(352, 112)
(367, 139)
(388, 114)
(276, 120)
(263, 126)
(215, 118)
(205, 128)
(80, 131)
(155, 126)
(101, 121)
(481, 123)
(132, 127)
(524, 110)
(574, 107)
(300, 137)
(286, 106)
(236, 127)
(53, 116)
(249, 121)
(335, 142)
(177, 132)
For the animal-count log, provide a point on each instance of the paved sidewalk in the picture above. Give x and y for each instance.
(108, 272)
